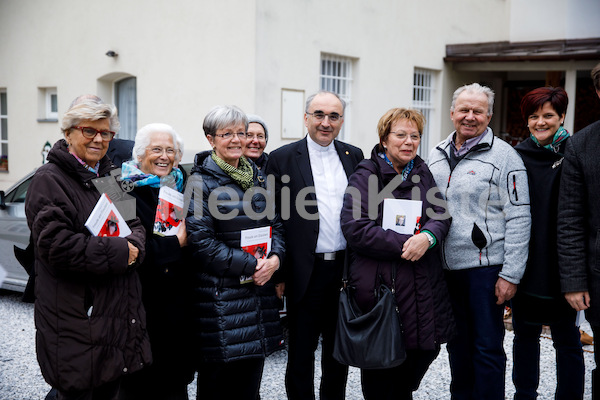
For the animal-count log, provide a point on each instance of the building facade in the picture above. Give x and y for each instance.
(172, 61)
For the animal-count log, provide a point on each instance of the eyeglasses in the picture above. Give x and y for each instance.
(320, 116)
(252, 137)
(91, 133)
(403, 136)
(159, 150)
(229, 135)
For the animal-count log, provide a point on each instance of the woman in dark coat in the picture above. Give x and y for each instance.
(156, 155)
(89, 317)
(539, 300)
(420, 288)
(235, 308)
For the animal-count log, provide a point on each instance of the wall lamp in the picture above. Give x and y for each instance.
(111, 53)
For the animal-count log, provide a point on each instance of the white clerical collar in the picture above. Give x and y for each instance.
(314, 146)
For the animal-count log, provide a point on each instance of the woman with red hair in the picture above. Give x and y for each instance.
(539, 300)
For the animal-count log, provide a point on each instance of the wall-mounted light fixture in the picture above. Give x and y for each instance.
(111, 53)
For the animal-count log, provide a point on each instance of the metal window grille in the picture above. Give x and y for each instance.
(423, 86)
(336, 77)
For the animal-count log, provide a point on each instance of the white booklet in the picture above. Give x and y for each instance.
(402, 216)
(105, 219)
(168, 212)
(256, 241)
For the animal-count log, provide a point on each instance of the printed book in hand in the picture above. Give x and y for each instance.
(402, 216)
(256, 241)
(169, 212)
(105, 219)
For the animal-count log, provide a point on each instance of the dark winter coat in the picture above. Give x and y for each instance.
(91, 325)
(261, 161)
(421, 291)
(539, 296)
(579, 218)
(165, 280)
(232, 321)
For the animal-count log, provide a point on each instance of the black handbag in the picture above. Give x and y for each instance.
(371, 340)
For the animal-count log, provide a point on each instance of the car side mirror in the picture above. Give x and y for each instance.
(2, 202)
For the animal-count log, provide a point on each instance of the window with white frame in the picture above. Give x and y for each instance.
(336, 77)
(51, 103)
(126, 102)
(3, 132)
(423, 87)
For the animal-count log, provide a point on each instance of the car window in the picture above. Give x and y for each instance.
(18, 194)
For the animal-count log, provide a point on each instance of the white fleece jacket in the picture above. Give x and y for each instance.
(488, 198)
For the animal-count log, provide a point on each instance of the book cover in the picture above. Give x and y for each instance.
(105, 219)
(169, 212)
(402, 216)
(256, 241)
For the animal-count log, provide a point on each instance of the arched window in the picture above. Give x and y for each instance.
(126, 102)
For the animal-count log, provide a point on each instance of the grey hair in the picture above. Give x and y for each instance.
(144, 136)
(312, 97)
(259, 120)
(91, 97)
(91, 110)
(223, 116)
(475, 88)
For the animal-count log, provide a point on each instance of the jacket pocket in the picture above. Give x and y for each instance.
(478, 239)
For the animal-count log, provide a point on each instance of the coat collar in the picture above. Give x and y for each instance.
(303, 159)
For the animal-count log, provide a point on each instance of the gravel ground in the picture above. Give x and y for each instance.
(20, 377)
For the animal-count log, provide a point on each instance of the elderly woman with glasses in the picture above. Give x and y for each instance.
(154, 166)
(402, 244)
(89, 317)
(256, 141)
(235, 307)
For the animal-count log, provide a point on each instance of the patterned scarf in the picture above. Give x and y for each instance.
(560, 136)
(130, 171)
(405, 171)
(93, 170)
(242, 175)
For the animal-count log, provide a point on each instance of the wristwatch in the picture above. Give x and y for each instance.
(430, 238)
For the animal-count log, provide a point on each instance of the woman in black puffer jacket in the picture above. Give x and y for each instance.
(236, 322)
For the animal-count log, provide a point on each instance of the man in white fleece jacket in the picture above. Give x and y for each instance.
(484, 182)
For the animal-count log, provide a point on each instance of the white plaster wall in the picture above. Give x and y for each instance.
(388, 38)
(532, 20)
(187, 57)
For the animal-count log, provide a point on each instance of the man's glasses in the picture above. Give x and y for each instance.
(159, 150)
(91, 133)
(403, 136)
(229, 135)
(320, 116)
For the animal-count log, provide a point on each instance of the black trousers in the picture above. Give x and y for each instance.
(108, 391)
(313, 316)
(239, 380)
(397, 383)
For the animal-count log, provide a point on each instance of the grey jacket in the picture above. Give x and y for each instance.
(579, 218)
(488, 198)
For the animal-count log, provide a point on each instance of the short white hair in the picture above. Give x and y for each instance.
(144, 135)
(475, 88)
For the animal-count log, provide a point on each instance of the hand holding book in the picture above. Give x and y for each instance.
(415, 247)
(265, 268)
